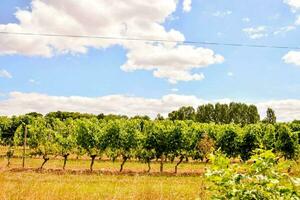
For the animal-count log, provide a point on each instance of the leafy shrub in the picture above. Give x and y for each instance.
(261, 180)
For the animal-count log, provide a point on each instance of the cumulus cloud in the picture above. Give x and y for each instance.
(33, 81)
(292, 57)
(187, 5)
(222, 13)
(294, 4)
(134, 18)
(5, 74)
(284, 30)
(21, 103)
(285, 110)
(246, 19)
(230, 74)
(256, 32)
(168, 62)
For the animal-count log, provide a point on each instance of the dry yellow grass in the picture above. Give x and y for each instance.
(31, 186)
(104, 183)
(47, 184)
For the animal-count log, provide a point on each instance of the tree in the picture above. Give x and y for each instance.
(88, 136)
(183, 113)
(159, 117)
(145, 149)
(205, 113)
(249, 141)
(286, 141)
(271, 117)
(121, 139)
(268, 136)
(229, 141)
(178, 142)
(253, 115)
(221, 114)
(65, 139)
(40, 138)
(158, 139)
(206, 146)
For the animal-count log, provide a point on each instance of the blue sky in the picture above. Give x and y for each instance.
(255, 75)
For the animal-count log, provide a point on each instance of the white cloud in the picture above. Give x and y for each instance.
(5, 74)
(292, 57)
(34, 82)
(284, 30)
(168, 62)
(134, 18)
(256, 32)
(187, 5)
(21, 103)
(294, 4)
(246, 19)
(285, 110)
(230, 74)
(222, 13)
(174, 89)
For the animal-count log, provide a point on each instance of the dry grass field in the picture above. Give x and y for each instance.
(105, 182)
(76, 182)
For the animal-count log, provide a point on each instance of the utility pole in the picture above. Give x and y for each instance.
(24, 145)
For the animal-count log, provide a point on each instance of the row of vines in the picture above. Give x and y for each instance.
(146, 140)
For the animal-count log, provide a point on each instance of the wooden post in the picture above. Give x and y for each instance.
(24, 145)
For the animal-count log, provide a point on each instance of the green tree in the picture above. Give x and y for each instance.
(229, 141)
(286, 141)
(121, 139)
(40, 138)
(158, 139)
(88, 136)
(65, 138)
(205, 113)
(271, 117)
(253, 115)
(249, 141)
(221, 114)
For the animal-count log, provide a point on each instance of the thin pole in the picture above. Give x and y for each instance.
(24, 146)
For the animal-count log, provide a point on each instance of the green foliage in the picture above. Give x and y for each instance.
(117, 137)
(229, 141)
(261, 180)
(249, 141)
(271, 117)
(286, 141)
(88, 135)
(184, 113)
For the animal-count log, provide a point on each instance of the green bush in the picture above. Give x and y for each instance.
(261, 180)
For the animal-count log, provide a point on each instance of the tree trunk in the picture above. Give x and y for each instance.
(124, 160)
(161, 164)
(8, 162)
(149, 167)
(65, 160)
(45, 160)
(180, 161)
(92, 162)
(206, 160)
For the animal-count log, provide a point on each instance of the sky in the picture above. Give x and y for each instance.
(43, 74)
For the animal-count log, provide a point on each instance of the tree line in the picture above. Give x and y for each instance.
(118, 137)
(237, 113)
